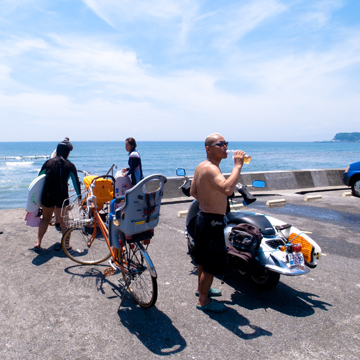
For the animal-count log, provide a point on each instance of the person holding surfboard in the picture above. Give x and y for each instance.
(58, 170)
(53, 155)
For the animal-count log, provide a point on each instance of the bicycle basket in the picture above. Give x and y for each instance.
(74, 214)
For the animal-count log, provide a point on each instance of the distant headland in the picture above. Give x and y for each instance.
(344, 137)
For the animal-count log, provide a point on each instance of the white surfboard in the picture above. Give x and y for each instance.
(35, 192)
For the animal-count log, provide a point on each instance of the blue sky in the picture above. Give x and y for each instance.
(260, 70)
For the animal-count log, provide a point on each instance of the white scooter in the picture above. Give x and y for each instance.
(281, 249)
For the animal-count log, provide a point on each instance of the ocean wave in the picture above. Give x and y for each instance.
(25, 157)
(34, 156)
(11, 157)
(23, 163)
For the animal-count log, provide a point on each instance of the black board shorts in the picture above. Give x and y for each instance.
(210, 250)
(49, 201)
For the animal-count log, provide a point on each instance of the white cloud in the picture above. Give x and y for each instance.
(282, 89)
(229, 21)
(15, 45)
(165, 18)
(129, 10)
(237, 21)
(4, 73)
(319, 12)
(292, 92)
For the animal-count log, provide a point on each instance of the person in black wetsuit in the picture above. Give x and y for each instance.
(58, 171)
(53, 155)
(134, 169)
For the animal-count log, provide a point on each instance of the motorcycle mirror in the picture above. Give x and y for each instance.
(258, 183)
(180, 172)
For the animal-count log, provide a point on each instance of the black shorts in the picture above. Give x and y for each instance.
(210, 249)
(49, 201)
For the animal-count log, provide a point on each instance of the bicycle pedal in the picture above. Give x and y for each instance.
(109, 271)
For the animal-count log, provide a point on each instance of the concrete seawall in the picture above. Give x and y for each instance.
(275, 180)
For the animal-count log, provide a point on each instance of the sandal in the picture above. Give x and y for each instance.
(213, 306)
(37, 248)
(212, 293)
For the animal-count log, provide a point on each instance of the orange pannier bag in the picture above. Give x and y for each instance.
(103, 189)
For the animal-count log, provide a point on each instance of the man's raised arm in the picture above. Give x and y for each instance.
(227, 186)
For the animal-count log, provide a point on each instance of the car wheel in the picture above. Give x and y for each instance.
(355, 187)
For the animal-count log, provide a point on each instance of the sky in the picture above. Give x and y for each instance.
(167, 70)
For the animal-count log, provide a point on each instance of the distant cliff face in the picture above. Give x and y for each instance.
(348, 137)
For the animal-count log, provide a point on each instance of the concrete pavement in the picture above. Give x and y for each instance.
(52, 308)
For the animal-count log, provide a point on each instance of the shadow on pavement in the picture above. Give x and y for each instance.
(45, 255)
(282, 298)
(97, 273)
(236, 323)
(232, 320)
(152, 327)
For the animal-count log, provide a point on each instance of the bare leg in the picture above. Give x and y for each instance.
(200, 270)
(44, 223)
(60, 219)
(63, 227)
(205, 280)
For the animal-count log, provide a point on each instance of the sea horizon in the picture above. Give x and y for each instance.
(21, 161)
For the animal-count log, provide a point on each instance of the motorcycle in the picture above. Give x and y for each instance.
(275, 249)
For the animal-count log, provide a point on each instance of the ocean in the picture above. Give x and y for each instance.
(20, 162)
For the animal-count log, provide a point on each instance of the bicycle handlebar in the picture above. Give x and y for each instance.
(87, 173)
(84, 172)
(112, 166)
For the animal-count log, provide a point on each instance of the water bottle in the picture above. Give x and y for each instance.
(247, 158)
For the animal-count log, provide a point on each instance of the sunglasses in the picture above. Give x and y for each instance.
(220, 144)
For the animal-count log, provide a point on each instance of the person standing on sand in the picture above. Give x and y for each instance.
(211, 189)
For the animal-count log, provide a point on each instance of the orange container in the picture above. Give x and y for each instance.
(103, 189)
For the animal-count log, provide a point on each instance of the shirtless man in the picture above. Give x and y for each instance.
(211, 189)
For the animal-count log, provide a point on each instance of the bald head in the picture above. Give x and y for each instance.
(212, 139)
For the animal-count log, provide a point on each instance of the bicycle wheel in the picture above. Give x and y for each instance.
(87, 245)
(139, 274)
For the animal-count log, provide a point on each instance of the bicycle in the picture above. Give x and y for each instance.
(124, 236)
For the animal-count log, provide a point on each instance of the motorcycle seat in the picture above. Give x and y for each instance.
(260, 221)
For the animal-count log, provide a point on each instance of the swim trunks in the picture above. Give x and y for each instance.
(210, 249)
